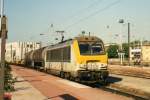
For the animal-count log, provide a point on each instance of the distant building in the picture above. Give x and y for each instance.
(145, 55)
(140, 54)
(15, 51)
(135, 55)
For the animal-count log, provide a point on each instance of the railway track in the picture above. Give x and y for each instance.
(130, 71)
(108, 88)
(123, 93)
(132, 75)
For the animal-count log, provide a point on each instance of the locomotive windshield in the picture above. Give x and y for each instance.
(90, 48)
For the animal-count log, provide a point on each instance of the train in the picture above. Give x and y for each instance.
(82, 58)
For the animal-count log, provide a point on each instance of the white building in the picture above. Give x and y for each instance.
(15, 51)
(145, 56)
(135, 53)
(140, 54)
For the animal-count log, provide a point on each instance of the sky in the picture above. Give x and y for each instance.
(27, 19)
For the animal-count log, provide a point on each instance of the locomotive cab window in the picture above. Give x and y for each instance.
(91, 48)
(84, 48)
(96, 48)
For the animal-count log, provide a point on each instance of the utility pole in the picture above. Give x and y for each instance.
(129, 43)
(11, 53)
(21, 51)
(62, 35)
(89, 34)
(3, 35)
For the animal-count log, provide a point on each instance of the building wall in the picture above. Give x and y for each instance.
(134, 52)
(146, 53)
(142, 54)
(15, 51)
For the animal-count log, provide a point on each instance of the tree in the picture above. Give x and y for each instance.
(126, 49)
(113, 51)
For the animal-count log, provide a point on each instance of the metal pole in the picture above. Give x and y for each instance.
(1, 1)
(2, 58)
(21, 51)
(3, 35)
(11, 53)
(121, 53)
(129, 43)
(3, 42)
(120, 48)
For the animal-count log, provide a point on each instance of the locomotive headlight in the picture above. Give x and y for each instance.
(88, 74)
(102, 66)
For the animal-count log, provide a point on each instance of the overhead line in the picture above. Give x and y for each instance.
(84, 9)
(95, 13)
(89, 6)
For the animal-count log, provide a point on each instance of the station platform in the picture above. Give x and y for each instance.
(25, 91)
(50, 87)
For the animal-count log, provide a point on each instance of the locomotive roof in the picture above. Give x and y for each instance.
(69, 41)
(88, 38)
(61, 44)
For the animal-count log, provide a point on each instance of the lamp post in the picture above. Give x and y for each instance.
(121, 21)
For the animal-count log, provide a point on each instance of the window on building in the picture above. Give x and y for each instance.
(27, 45)
(31, 46)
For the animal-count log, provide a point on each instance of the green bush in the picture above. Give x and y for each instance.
(125, 49)
(113, 51)
(9, 80)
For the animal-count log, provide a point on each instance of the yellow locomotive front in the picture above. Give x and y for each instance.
(91, 58)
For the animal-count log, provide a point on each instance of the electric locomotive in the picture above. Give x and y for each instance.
(82, 58)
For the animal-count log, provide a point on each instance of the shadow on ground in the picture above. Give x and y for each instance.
(112, 79)
(64, 97)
